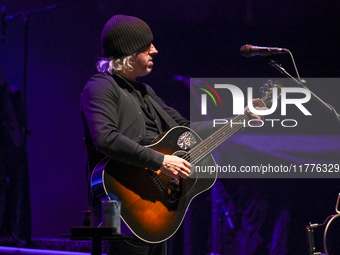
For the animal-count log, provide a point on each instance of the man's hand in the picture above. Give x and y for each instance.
(175, 167)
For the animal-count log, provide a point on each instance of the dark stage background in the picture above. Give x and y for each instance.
(194, 39)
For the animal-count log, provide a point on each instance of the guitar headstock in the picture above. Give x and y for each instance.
(267, 92)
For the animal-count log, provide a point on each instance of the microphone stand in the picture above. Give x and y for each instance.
(22, 176)
(326, 106)
(26, 17)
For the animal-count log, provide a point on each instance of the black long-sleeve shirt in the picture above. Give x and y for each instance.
(114, 122)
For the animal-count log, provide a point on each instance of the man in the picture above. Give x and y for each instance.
(121, 115)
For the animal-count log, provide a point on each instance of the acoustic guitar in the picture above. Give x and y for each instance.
(152, 205)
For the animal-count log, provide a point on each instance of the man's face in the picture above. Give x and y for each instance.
(144, 64)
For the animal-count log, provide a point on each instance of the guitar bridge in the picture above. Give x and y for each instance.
(168, 189)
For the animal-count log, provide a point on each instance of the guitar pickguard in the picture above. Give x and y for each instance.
(186, 140)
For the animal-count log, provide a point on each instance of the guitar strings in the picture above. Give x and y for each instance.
(218, 137)
(214, 140)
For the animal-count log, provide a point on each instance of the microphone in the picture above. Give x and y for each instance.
(249, 50)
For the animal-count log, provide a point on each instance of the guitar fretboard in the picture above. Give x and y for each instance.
(208, 145)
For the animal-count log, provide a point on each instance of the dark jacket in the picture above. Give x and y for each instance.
(114, 124)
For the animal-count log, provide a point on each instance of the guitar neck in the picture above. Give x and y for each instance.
(214, 140)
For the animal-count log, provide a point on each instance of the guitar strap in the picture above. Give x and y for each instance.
(166, 117)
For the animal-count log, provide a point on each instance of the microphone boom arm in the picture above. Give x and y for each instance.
(326, 106)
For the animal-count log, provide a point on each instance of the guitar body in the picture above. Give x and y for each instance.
(152, 205)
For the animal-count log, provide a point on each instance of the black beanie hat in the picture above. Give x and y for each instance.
(124, 35)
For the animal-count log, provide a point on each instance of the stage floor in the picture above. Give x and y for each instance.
(42, 246)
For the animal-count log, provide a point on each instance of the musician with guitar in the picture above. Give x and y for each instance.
(121, 118)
